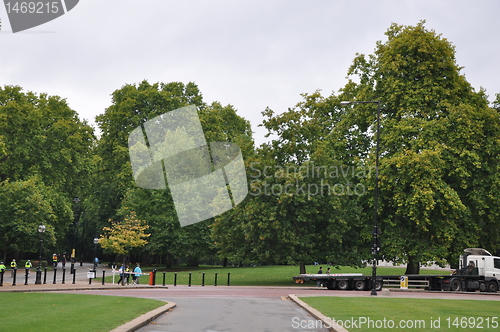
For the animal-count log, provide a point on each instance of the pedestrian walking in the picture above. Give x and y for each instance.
(121, 270)
(320, 283)
(54, 260)
(137, 274)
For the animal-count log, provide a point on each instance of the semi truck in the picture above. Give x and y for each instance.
(478, 270)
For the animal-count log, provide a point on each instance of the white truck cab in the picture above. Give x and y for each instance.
(481, 262)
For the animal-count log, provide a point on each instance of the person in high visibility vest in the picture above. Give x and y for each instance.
(2, 267)
(28, 266)
(13, 266)
(54, 260)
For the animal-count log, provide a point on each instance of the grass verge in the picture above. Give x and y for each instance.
(69, 312)
(386, 314)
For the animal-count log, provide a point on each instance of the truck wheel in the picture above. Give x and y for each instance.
(343, 284)
(330, 284)
(492, 286)
(482, 286)
(378, 285)
(359, 285)
(455, 285)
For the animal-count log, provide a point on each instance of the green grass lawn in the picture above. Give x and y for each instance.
(414, 314)
(69, 312)
(276, 275)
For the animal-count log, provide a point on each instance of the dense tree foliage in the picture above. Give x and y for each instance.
(311, 187)
(439, 152)
(45, 153)
(115, 187)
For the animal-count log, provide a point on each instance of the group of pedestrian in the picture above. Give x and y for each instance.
(320, 283)
(125, 274)
(56, 258)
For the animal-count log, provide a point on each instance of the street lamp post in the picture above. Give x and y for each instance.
(376, 232)
(38, 280)
(75, 222)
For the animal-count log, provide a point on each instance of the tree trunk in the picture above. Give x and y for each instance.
(224, 262)
(170, 260)
(192, 262)
(413, 266)
(302, 268)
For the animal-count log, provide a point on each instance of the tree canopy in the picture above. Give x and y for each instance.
(311, 186)
(45, 153)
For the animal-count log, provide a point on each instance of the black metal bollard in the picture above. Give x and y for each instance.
(163, 283)
(38, 278)
(74, 276)
(215, 283)
(14, 276)
(26, 273)
(203, 279)
(64, 276)
(55, 273)
(189, 281)
(175, 279)
(103, 276)
(45, 276)
(228, 279)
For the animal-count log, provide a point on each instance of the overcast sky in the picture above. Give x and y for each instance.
(250, 54)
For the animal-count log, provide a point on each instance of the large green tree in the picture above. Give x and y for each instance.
(304, 200)
(45, 151)
(439, 147)
(116, 191)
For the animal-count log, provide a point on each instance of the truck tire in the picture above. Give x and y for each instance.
(455, 285)
(359, 285)
(378, 285)
(343, 284)
(330, 284)
(493, 286)
(482, 286)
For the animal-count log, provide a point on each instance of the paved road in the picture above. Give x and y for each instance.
(231, 314)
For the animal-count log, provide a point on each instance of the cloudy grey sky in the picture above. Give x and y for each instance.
(251, 54)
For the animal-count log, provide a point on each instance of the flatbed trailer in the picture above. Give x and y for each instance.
(478, 271)
(341, 281)
(360, 282)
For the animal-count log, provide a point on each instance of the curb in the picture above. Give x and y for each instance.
(327, 322)
(145, 319)
(75, 288)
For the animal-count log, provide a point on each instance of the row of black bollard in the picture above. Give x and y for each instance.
(190, 279)
(37, 276)
(14, 275)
